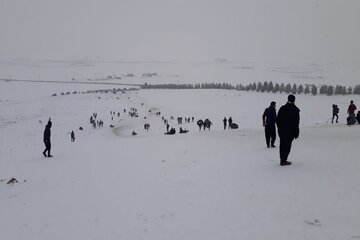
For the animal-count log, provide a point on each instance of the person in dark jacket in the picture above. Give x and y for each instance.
(287, 121)
(351, 119)
(269, 121)
(72, 136)
(358, 117)
(47, 135)
(225, 121)
(230, 121)
(335, 109)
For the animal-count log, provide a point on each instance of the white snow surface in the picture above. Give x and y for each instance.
(210, 185)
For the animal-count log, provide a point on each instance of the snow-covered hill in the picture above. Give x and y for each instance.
(217, 184)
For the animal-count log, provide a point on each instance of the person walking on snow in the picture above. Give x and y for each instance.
(47, 135)
(335, 113)
(269, 121)
(72, 136)
(224, 120)
(287, 121)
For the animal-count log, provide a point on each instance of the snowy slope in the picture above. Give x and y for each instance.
(218, 184)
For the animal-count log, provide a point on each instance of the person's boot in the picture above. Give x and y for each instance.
(44, 153)
(285, 163)
(49, 155)
(272, 145)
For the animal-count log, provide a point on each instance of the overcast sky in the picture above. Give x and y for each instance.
(267, 30)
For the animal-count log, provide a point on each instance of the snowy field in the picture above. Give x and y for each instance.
(180, 71)
(211, 185)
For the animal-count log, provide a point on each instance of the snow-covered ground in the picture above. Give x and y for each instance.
(180, 71)
(218, 184)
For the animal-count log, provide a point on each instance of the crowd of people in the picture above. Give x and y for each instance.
(286, 120)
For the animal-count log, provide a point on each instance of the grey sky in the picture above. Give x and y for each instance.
(267, 30)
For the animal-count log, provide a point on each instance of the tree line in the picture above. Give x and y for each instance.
(264, 87)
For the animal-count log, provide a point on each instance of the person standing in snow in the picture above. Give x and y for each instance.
(269, 121)
(287, 121)
(72, 136)
(225, 121)
(230, 122)
(358, 117)
(47, 135)
(335, 113)
(351, 111)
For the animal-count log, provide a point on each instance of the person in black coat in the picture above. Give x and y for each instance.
(225, 121)
(335, 109)
(287, 121)
(230, 121)
(47, 135)
(269, 121)
(72, 136)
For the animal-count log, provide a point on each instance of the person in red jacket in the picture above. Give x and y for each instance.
(352, 107)
(351, 111)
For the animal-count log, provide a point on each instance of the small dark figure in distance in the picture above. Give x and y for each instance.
(183, 130)
(335, 110)
(269, 121)
(351, 111)
(47, 135)
(72, 136)
(207, 124)
(200, 123)
(225, 121)
(12, 181)
(358, 117)
(287, 121)
(171, 132)
(230, 121)
(234, 126)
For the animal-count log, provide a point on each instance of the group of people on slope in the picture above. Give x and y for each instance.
(351, 119)
(287, 120)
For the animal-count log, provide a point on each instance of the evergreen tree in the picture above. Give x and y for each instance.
(307, 89)
(288, 88)
(253, 88)
(300, 89)
(264, 87)
(282, 87)
(276, 88)
(294, 89)
(330, 90)
(349, 90)
(338, 89)
(356, 89)
(314, 90)
(270, 87)
(343, 91)
(323, 89)
(259, 87)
